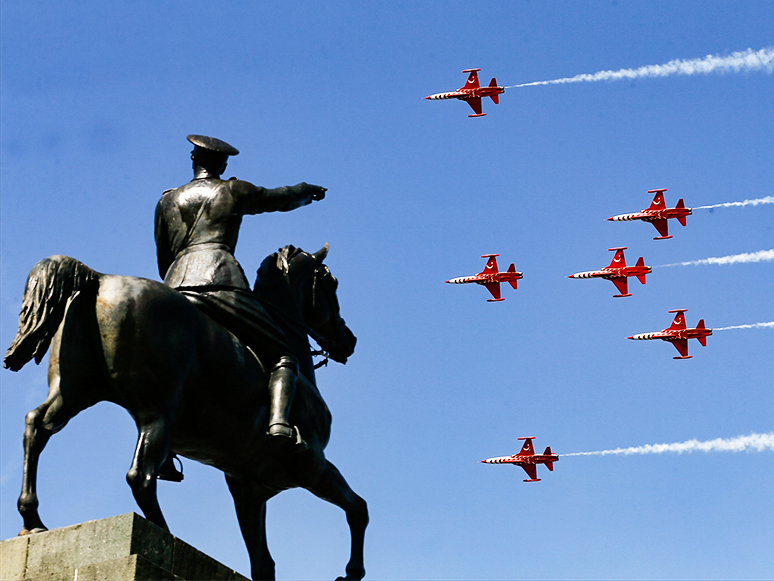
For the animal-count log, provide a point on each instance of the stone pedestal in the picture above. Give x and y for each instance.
(121, 548)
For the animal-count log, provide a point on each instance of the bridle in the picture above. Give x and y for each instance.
(299, 327)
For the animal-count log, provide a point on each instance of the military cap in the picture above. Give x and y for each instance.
(213, 144)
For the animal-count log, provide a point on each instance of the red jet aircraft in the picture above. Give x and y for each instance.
(618, 271)
(658, 214)
(678, 335)
(527, 459)
(490, 278)
(472, 92)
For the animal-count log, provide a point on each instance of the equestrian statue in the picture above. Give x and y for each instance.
(209, 368)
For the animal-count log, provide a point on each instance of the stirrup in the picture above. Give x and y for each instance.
(293, 438)
(168, 471)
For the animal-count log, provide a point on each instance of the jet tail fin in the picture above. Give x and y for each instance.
(495, 97)
(549, 463)
(512, 268)
(702, 339)
(641, 277)
(681, 205)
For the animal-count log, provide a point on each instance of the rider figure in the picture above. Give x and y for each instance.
(196, 231)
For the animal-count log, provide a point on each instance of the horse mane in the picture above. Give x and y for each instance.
(285, 255)
(274, 265)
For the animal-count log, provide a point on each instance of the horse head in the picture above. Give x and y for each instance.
(303, 289)
(324, 318)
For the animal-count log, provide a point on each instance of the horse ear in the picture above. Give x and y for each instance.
(320, 255)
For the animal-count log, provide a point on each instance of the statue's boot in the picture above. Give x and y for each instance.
(282, 388)
(168, 471)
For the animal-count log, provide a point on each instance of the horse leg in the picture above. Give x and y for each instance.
(250, 503)
(40, 424)
(332, 487)
(153, 445)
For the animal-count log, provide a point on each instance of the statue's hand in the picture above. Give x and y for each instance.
(318, 192)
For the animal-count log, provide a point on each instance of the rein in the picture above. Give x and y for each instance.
(299, 326)
(300, 329)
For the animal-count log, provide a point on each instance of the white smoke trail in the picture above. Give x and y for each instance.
(746, 60)
(753, 326)
(766, 200)
(751, 443)
(760, 256)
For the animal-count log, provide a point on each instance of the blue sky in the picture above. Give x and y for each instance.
(97, 100)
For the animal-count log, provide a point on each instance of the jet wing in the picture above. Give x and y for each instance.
(531, 470)
(472, 82)
(682, 346)
(658, 200)
(621, 284)
(679, 322)
(491, 266)
(494, 288)
(661, 226)
(619, 260)
(475, 104)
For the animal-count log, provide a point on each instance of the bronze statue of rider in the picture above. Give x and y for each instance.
(196, 230)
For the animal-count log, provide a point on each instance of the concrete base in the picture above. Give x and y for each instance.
(121, 548)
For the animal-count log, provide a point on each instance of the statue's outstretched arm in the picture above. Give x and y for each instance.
(257, 199)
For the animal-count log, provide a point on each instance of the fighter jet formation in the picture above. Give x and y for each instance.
(617, 272)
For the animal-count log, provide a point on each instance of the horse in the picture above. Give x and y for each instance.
(190, 385)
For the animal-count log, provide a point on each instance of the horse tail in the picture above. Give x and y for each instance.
(50, 285)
